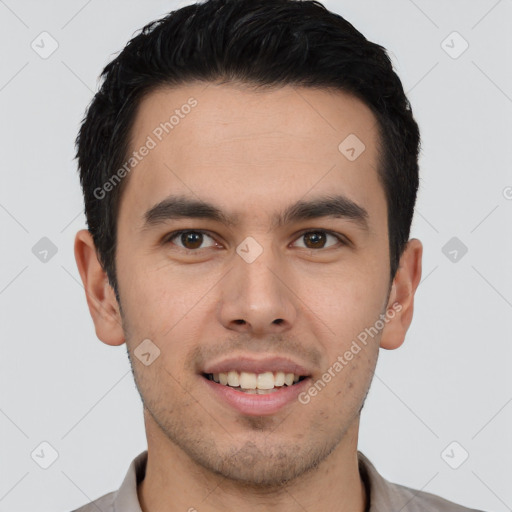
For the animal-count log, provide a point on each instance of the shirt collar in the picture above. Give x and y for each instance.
(126, 498)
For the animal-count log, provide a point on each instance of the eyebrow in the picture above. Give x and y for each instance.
(183, 207)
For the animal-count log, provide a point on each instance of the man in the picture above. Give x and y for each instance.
(250, 172)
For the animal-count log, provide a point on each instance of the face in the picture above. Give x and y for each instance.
(281, 263)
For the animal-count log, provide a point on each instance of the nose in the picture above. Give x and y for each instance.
(257, 297)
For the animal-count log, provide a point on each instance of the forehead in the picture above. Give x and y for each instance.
(251, 151)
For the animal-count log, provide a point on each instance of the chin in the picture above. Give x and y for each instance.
(263, 466)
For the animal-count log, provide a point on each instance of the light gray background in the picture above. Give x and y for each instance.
(451, 379)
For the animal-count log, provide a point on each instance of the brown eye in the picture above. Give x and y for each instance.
(318, 239)
(315, 240)
(190, 239)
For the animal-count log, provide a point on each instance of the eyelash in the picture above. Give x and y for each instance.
(175, 234)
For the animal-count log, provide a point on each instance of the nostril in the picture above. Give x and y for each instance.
(240, 322)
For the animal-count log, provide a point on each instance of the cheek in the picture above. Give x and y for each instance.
(170, 308)
(146, 301)
(156, 296)
(347, 301)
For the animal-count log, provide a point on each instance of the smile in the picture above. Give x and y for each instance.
(255, 383)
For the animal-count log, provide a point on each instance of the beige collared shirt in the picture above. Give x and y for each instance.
(384, 496)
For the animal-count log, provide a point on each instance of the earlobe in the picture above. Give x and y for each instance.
(100, 296)
(400, 305)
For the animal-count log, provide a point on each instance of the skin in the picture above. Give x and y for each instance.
(251, 153)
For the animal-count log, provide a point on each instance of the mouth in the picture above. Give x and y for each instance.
(255, 386)
(255, 383)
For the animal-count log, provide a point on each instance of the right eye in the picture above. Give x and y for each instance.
(189, 239)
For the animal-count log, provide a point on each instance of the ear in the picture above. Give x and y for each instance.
(401, 297)
(100, 295)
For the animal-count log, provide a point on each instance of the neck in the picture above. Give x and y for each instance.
(174, 482)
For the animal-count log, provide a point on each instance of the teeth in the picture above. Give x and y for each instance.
(260, 383)
(265, 380)
(233, 379)
(279, 379)
(248, 380)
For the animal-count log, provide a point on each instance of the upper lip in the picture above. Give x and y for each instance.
(252, 365)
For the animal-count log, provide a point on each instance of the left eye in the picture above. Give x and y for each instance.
(317, 239)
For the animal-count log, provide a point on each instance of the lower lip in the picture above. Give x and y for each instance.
(257, 405)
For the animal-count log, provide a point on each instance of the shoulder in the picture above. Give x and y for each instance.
(385, 495)
(419, 501)
(103, 503)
